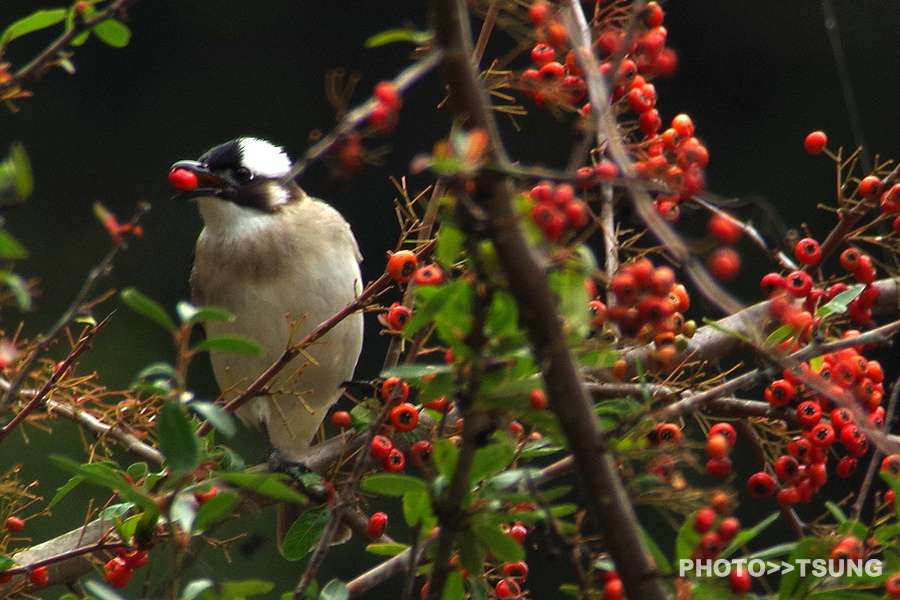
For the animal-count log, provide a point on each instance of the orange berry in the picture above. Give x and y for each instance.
(402, 265)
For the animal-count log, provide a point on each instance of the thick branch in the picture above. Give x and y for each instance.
(528, 283)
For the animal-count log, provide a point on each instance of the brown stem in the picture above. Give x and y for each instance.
(603, 489)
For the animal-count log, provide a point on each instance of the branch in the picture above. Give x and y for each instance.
(51, 53)
(605, 494)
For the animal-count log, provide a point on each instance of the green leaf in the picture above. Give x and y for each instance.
(36, 21)
(836, 511)
(662, 562)
(490, 460)
(687, 539)
(105, 476)
(143, 305)
(190, 314)
(113, 33)
(101, 591)
(417, 371)
(386, 549)
(229, 343)
(514, 477)
(305, 532)
(183, 511)
(445, 456)
(809, 548)
(238, 590)
(840, 595)
(177, 440)
(504, 547)
(6, 563)
(64, 489)
(334, 590)
(196, 587)
(746, 535)
(838, 304)
(10, 248)
(19, 289)
(449, 245)
(16, 178)
(392, 36)
(214, 510)
(454, 588)
(265, 484)
(393, 484)
(417, 511)
(217, 417)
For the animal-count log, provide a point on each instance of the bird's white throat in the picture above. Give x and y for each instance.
(227, 220)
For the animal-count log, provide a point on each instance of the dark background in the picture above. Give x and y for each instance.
(755, 77)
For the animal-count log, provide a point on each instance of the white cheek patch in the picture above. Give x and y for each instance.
(264, 159)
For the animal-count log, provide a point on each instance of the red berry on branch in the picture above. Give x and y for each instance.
(420, 453)
(394, 389)
(761, 485)
(429, 275)
(398, 316)
(387, 94)
(815, 142)
(703, 521)
(402, 265)
(380, 447)
(15, 524)
(117, 573)
(808, 251)
(341, 419)
(395, 461)
(404, 417)
(724, 229)
(724, 264)
(870, 187)
(377, 525)
(39, 577)
(539, 12)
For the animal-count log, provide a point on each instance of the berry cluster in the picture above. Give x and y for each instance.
(716, 531)
(649, 306)
(388, 102)
(556, 208)
(117, 571)
(802, 470)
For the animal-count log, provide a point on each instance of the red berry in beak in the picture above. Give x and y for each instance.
(183, 180)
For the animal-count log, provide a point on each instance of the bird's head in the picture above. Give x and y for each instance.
(245, 172)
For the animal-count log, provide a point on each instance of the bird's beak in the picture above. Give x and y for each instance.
(207, 183)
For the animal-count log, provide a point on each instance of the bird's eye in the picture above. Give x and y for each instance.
(243, 174)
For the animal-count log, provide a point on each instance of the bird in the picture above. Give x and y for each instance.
(280, 262)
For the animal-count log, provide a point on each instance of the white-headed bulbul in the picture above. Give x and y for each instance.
(272, 255)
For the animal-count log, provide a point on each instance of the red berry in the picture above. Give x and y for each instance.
(383, 118)
(724, 229)
(890, 465)
(815, 142)
(771, 283)
(798, 283)
(420, 453)
(728, 529)
(387, 94)
(577, 213)
(117, 573)
(537, 399)
(182, 179)
(740, 581)
(507, 588)
(718, 468)
(653, 15)
(135, 559)
(788, 496)
(429, 275)
(518, 532)
(726, 430)
(850, 258)
(539, 12)
(808, 251)
(716, 447)
(439, 405)
(516, 570)
(549, 219)
(542, 54)
(704, 519)
(809, 413)
(761, 485)
(724, 264)
(683, 125)
(204, 497)
(846, 467)
(404, 417)
(892, 586)
(613, 589)
(786, 467)
(890, 200)
(779, 393)
(381, 447)
(341, 419)
(398, 316)
(15, 524)
(394, 389)
(870, 187)
(377, 525)
(395, 461)
(402, 265)
(822, 435)
(39, 577)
